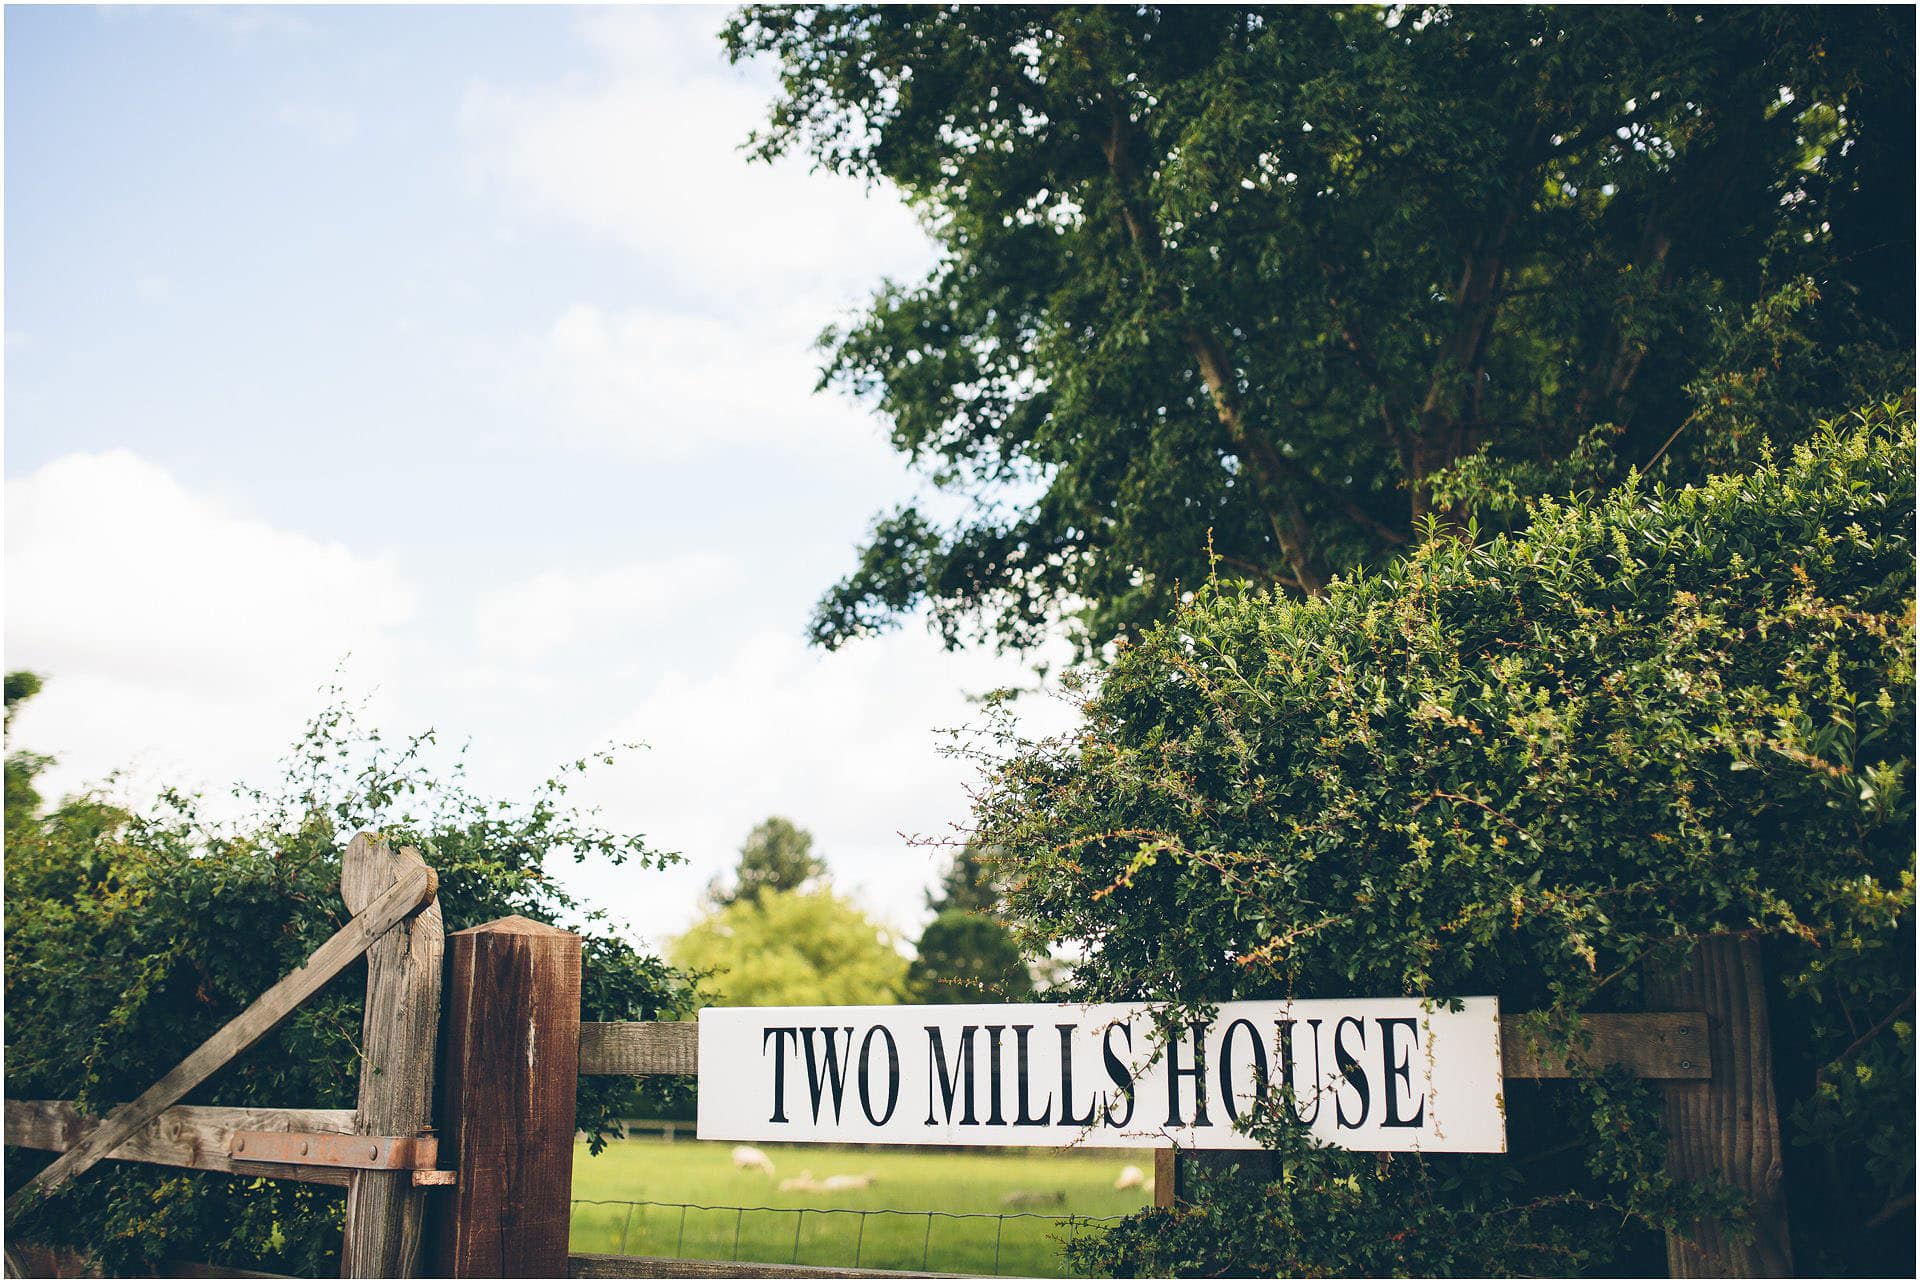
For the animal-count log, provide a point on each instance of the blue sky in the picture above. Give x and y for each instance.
(463, 341)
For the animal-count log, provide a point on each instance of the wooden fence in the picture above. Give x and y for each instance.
(480, 1034)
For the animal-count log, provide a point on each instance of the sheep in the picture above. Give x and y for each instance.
(801, 1184)
(1131, 1177)
(1035, 1198)
(746, 1156)
(835, 1183)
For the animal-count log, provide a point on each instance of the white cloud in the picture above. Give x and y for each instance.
(528, 620)
(188, 641)
(747, 262)
(847, 744)
(177, 633)
(668, 386)
(646, 151)
(246, 22)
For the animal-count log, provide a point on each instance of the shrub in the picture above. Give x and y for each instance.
(132, 936)
(1533, 767)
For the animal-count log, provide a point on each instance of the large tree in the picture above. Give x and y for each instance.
(1269, 292)
(777, 856)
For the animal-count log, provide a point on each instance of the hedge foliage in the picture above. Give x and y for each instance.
(1535, 767)
(133, 936)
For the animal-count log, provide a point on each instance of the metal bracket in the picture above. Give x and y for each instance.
(335, 1149)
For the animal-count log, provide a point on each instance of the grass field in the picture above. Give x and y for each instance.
(979, 1233)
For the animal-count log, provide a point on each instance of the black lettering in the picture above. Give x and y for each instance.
(1350, 1071)
(836, 1078)
(1226, 1067)
(779, 1037)
(1198, 1073)
(893, 1075)
(1403, 1071)
(948, 1086)
(1025, 1118)
(1067, 1118)
(994, 1117)
(1118, 1071)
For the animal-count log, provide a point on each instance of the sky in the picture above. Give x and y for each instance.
(458, 355)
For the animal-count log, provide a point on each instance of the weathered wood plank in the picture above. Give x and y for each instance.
(195, 1136)
(640, 1048)
(1166, 1165)
(1651, 1044)
(1656, 1045)
(511, 1071)
(243, 1031)
(386, 1211)
(586, 1265)
(1727, 1127)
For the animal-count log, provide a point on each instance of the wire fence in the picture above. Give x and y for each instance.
(887, 1241)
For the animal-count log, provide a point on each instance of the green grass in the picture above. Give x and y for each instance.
(831, 1232)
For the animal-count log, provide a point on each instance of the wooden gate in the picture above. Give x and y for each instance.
(490, 1194)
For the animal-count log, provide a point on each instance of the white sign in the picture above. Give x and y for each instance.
(1367, 1073)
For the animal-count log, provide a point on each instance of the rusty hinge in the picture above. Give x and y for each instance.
(336, 1149)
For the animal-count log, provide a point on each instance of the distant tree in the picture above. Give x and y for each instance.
(1279, 284)
(23, 800)
(792, 948)
(971, 883)
(777, 856)
(968, 957)
(966, 954)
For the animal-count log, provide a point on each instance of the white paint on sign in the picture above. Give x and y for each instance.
(1367, 1073)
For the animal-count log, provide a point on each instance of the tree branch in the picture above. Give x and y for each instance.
(1275, 478)
(1905, 1005)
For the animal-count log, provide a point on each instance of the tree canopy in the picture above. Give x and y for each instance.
(23, 799)
(968, 957)
(1262, 292)
(777, 856)
(967, 954)
(792, 948)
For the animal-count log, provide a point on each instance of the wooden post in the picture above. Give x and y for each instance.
(507, 1089)
(1727, 1127)
(1166, 1168)
(385, 1211)
(1176, 1172)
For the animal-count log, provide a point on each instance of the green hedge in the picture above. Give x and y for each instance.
(1534, 768)
(131, 937)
